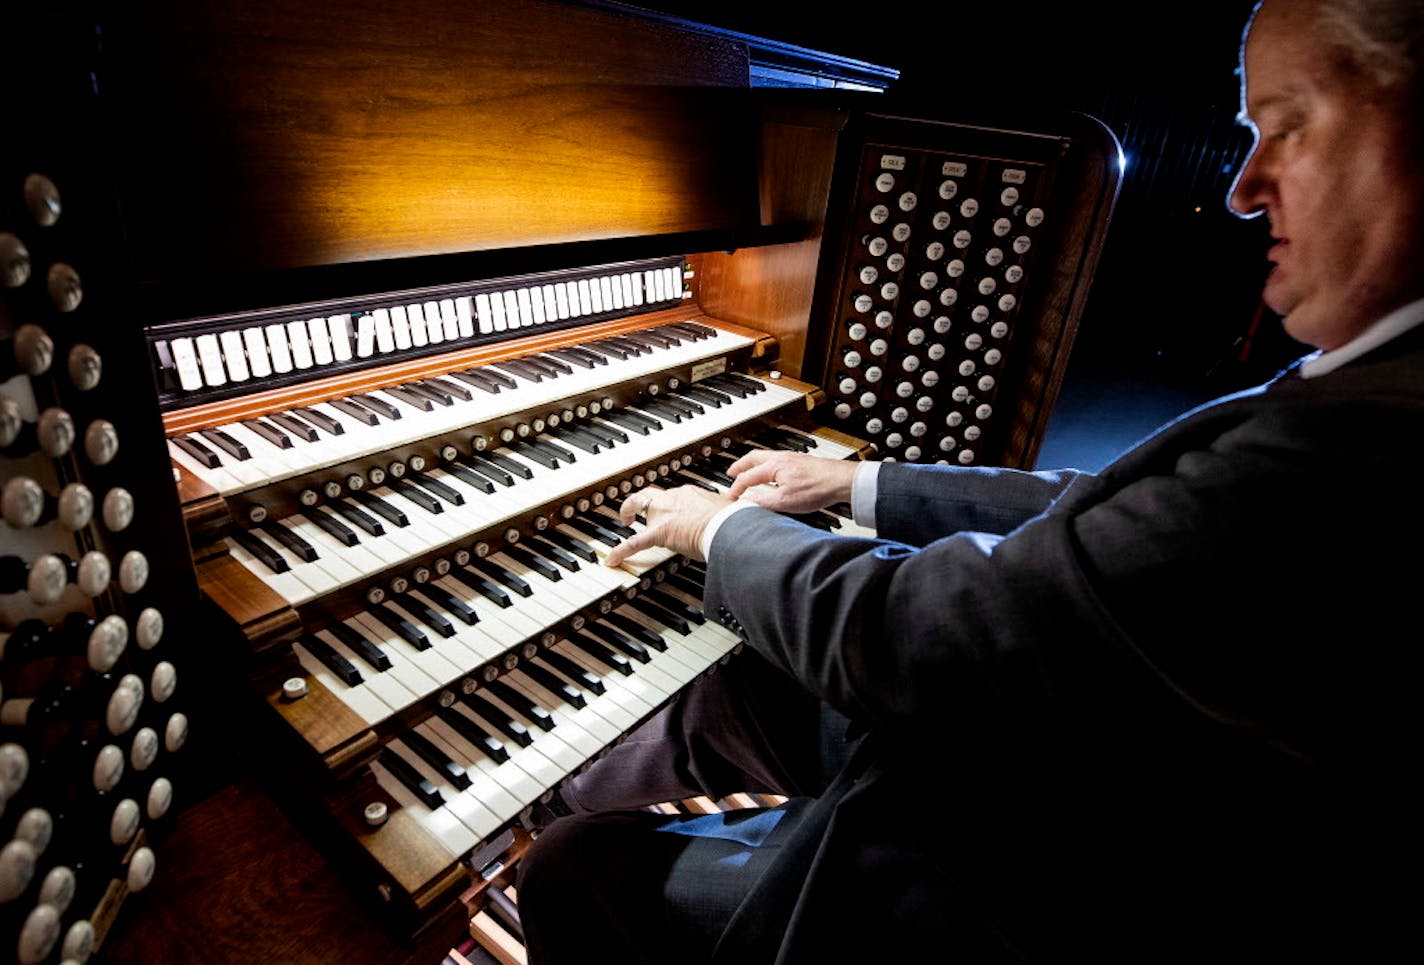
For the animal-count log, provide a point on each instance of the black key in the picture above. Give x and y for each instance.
(476, 581)
(501, 721)
(425, 749)
(512, 466)
(205, 456)
(543, 547)
(355, 410)
(607, 347)
(434, 395)
(534, 453)
(619, 641)
(569, 356)
(552, 359)
(693, 328)
(497, 376)
(357, 642)
(777, 439)
(391, 514)
(501, 575)
(403, 628)
(299, 547)
(441, 489)
(593, 358)
(628, 420)
(681, 582)
(249, 541)
(479, 380)
(468, 476)
(706, 471)
(736, 378)
(415, 494)
(608, 434)
(450, 388)
(321, 420)
(818, 520)
(578, 440)
(269, 432)
(607, 521)
(449, 602)
(704, 394)
(520, 703)
(410, 398)
(298, 428)
(415, 782)
(604, 654)
(541, 365)
(589, 528)
(571, 669)
(636, 630)
(333, 661)
(541, 566)
(554, 449)
(631, 345)
(731, 388)
(676, 605)
(423, 611)
(332, 526)
(683, 479)
(636, 416)
(686, 402)
(575, 546)
(554, 684)
(654, 610)
(474, 733)
(667, 332)
(368, 523)
(649, 338)
(380, 406)
(488, 468)
(515, 368)
(226, 443)
(661, 410)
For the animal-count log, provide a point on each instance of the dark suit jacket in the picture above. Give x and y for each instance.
(1165, 713)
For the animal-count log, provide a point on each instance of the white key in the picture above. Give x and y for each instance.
(300, 345)
(320, 339)
(233, 355)
(258, 361)
(484, 313)
(400, 327)
(185, 360)
(385, 331)
(339, 327)
(365, 336)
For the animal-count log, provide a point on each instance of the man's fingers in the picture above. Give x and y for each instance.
(752, 476)
(630, 545)
(754, 458)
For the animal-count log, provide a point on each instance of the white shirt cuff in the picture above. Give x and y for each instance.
(862, 494)
(716, 522)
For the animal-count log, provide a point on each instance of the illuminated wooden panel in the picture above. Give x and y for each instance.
(258, 136)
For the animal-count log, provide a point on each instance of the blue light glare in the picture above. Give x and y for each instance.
(1121, 161)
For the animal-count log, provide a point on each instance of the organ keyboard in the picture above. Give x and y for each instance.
(394, 405)
(413, 548)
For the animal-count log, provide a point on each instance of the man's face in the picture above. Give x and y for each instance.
(1332, 169)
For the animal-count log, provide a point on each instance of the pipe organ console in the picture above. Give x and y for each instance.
(393, 310)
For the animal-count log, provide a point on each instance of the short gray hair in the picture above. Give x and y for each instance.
(1384, 39)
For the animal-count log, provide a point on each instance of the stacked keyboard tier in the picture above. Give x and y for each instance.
(409, 554)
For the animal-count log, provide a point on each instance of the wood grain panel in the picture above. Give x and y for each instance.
(265, 134)
(771, 288)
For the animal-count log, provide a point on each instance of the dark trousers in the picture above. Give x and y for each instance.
(617, 884)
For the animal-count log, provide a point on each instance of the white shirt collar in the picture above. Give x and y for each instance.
(1394, 324)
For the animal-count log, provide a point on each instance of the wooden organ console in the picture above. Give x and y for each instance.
(405, 299)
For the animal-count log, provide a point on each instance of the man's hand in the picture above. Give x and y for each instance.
(675, 519)
(791, 482)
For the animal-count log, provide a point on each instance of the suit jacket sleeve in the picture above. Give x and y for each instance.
(916, 504)
(1118, 598)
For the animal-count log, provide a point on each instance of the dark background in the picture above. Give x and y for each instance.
(1174, 317)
